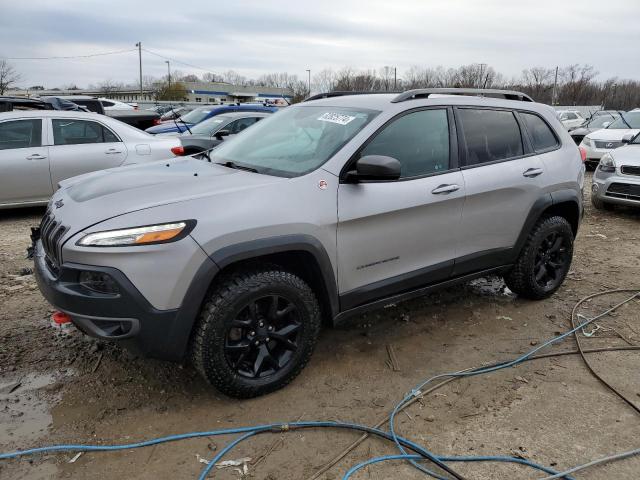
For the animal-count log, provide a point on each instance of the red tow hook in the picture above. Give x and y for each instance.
(61, 321)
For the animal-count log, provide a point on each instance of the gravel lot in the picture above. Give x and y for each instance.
(58, 388)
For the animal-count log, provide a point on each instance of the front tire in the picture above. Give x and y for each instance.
(256, 332)
(544, 260)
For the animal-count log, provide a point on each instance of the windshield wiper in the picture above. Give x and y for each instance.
(627, 123)
(184, 123)
(230, 164)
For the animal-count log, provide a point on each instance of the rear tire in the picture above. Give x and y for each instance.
(544, 260)
(600, 205)
(256, 332)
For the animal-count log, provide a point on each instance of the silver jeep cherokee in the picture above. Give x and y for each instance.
(330, 207)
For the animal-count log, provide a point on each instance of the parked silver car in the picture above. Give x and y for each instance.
(38, 149)
(616, 181)
(320, 211)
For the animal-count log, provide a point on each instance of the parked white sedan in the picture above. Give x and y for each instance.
(38, 149)
(597, 143)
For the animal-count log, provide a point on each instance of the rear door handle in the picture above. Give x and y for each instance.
(36, 156)
(112, 151)
(446, 188)
(532, 172)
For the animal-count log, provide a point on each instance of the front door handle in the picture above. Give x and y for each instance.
(36, 156)
(112, 151)
(446, 188)
(532, 172)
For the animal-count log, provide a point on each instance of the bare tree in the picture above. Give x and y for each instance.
(189, 78)
(234, 78)
(109, 87)
(324, 80)
(8, 76)
(211, 77)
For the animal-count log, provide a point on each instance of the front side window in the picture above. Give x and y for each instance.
(78, 132)
(490, 135)
(241, 124)
(541, 135)
(418, 140)
(294, 141)
(20, 134)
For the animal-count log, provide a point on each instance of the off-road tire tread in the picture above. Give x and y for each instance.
(215, 307)
(520, 278)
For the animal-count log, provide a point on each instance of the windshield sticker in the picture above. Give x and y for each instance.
(338, 118)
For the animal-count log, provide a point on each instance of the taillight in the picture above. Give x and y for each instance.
(178, 151)
(583, 153)
(157, 121)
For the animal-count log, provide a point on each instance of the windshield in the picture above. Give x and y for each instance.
(626, 121)
(294, 141)
(600, 120)
(209, 126)
(197, 115)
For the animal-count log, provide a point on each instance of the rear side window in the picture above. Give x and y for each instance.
(490, 135)
(20, 134)
(418, 140)
(541, 135)
(79, 132)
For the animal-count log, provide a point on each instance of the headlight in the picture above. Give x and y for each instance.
(586, 141)
(164, 233)
(607, 163)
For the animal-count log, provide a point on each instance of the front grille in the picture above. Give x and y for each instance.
(624, 190)
(608, 144)
(630, 170)
(51, 232)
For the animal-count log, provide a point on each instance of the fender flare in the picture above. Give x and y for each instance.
(282, 244)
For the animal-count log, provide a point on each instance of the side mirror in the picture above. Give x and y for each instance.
(606, 124)
(222, 133)
(628, 137)
(375, 167)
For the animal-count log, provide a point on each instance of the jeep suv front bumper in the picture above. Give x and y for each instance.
(124, 316)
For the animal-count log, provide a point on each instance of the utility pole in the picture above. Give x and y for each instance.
(555, 87)
(395, 78)
(168, 73)
(139, 45)
(309, 72)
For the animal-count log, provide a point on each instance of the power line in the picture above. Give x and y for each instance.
(178, 61)
(72, 56)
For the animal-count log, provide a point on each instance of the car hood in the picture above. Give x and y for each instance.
(611, 134)
(167, 128)
(627, 155)
(580, 131)
(98, 196)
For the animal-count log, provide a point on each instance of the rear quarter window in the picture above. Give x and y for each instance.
(541, 135)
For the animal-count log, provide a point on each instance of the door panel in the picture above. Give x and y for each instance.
(502, 181)
(397, 228)
(81, 146)
(24, 162)
(399, 235)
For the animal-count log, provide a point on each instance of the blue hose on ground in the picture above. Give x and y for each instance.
(224, 451)
(482, 370)
(521, 461)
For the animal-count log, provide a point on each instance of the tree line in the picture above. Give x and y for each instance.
(569, 85)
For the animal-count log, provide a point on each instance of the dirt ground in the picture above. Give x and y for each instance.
(63, 388)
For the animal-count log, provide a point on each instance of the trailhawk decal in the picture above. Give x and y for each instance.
(338, 118)
(379, 262)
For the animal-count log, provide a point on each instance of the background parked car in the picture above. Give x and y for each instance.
(8, 104)
(212, 132)
(598, 143)
(570, 118)
(109, 104)
(174, 113)
(160, 108)
(597, 121)
(616, 181)
(203, 113)
(38, 149)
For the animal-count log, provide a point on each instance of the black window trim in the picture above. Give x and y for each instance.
(558, 144)
(53, 137)
(526, 146)
(454, 164)
(27, 119)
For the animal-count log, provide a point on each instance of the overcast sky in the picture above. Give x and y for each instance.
(258, 36)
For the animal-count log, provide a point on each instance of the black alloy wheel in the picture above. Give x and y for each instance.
(263, 337)
(551, 261)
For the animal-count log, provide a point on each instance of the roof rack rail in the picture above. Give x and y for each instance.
(480, 92)
(342, 94)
